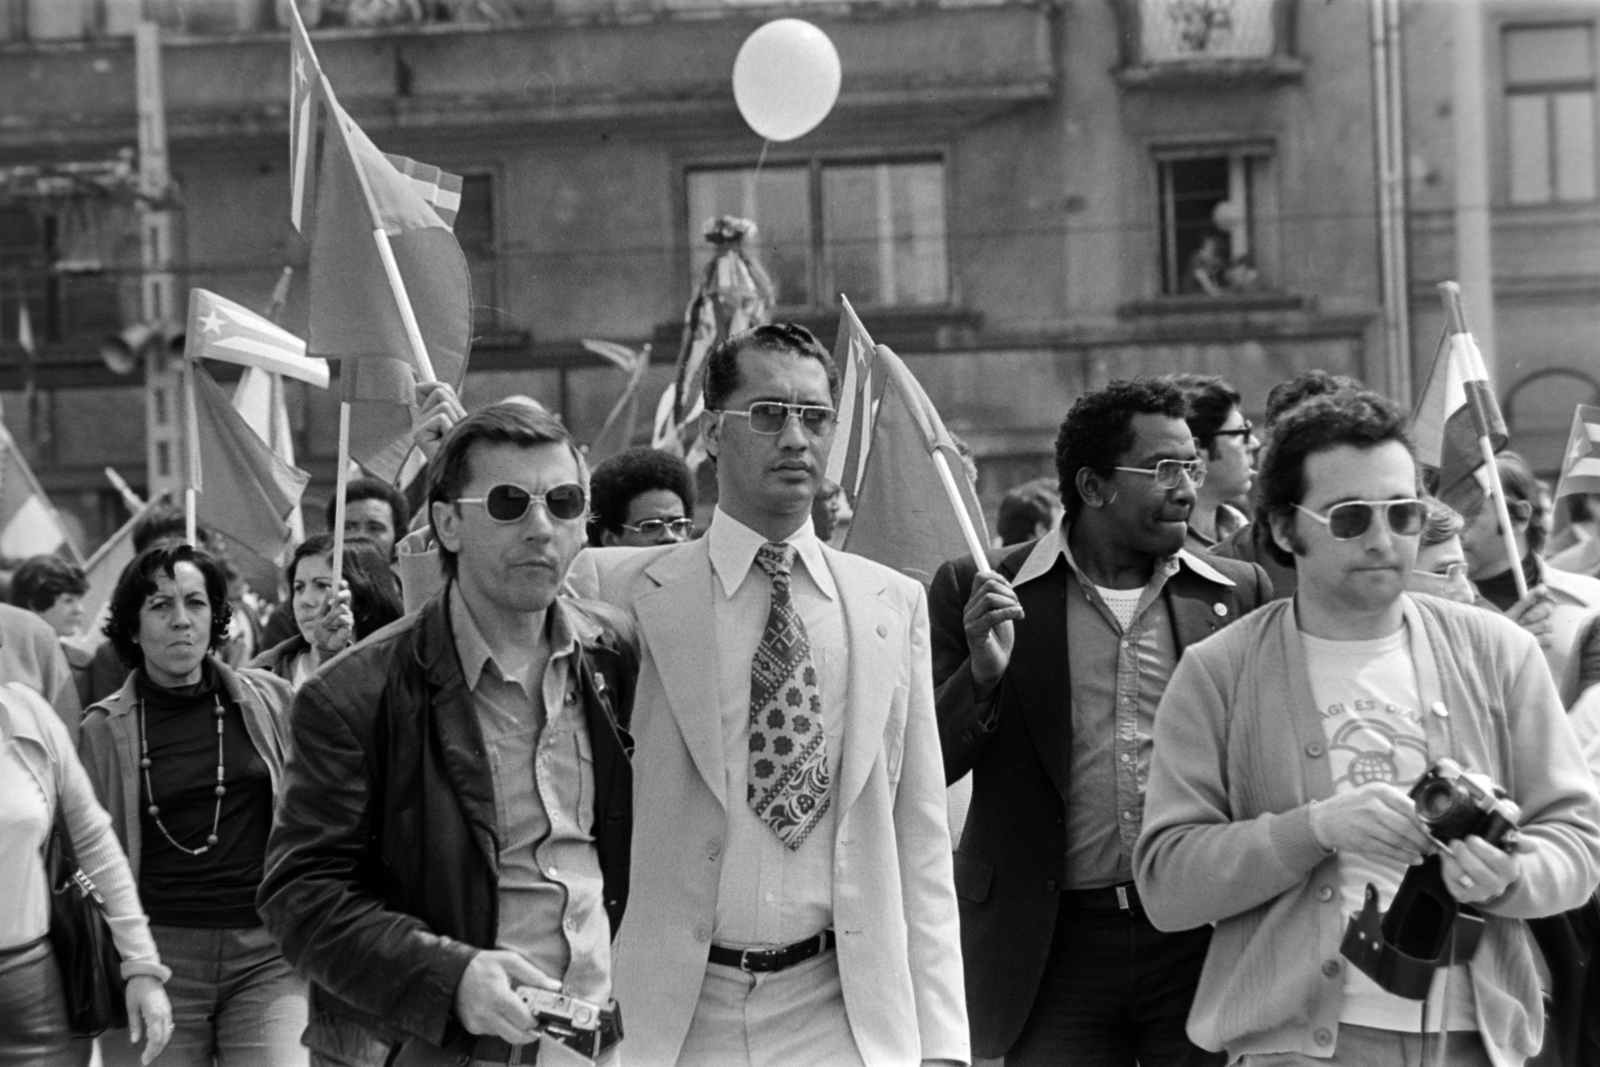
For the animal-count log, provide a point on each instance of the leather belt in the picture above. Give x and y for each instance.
(1110, 898)
(591, 1044)
(762, 960)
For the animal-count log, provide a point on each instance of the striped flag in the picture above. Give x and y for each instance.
(856, 355)
(223, 330)
(305, 77)
(29, 525)
(1456, 413)
(1580, 467)
(440, 188)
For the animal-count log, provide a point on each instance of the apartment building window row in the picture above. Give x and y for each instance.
(873, 230)
(1550, 112)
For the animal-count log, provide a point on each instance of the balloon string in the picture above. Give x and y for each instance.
(761, 159)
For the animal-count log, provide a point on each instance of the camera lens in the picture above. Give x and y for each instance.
(1436, 801)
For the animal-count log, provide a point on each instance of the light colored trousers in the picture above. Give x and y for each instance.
(789, 1018)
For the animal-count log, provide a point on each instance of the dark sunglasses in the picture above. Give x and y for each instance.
(509, 503)
(1351, 519)
(771, 416)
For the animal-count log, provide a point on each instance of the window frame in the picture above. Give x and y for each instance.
(1547, 90)
(1261, 220)
(815, 164)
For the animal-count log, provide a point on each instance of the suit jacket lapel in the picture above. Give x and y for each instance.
(871, 627)
(674, 618)
(1195, 606)
(1039, 676)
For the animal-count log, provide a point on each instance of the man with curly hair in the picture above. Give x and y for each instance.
(1284, 751)
(1062, 965)
(642, 496)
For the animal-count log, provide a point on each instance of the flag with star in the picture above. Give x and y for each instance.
(1580, 467)
(223, 330)
(305, 77)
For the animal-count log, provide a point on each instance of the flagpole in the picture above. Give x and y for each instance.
(340, 483)
(1450, 293)
(191, 439)
(980, 555)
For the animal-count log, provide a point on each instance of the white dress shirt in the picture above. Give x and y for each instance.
(770, 896)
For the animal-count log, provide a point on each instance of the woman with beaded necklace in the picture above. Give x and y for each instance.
(187, 757)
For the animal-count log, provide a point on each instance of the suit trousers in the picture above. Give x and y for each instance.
(1116, 991)
(789, 1018)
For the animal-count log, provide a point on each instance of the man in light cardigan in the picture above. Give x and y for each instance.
(1283, 752)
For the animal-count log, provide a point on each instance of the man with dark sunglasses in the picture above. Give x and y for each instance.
(451, 839)
(791, 898)
(1284, 751)
(1050, 666)
(642, 496)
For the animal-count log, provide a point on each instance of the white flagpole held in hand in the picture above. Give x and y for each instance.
(191, 444)
(968, 531)
(1497, 496)
(341, 482)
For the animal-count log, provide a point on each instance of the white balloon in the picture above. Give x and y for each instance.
(786, 79)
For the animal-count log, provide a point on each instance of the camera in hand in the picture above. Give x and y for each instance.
(556, 1012)
(1425, 927)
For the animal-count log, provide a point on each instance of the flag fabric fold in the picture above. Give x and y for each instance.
(904, 517)
(29, 525)
(1456, 412)
(223, 330)
(247, 492)
(259, 400)
(1580, 464)
(305, 78)
(355, 317)
(440, 189)
(616, 433)
(854, 355)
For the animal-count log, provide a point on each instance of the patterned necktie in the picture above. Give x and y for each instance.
(788, 781)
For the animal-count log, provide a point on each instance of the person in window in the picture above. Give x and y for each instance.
(329, 624)
(187, 757)
(1205, 266)
(642, 496)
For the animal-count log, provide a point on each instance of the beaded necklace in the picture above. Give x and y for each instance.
(155, 809)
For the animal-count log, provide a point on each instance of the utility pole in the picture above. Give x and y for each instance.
(157, 300)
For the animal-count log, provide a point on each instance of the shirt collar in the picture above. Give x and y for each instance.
(1054, 544)
(474, 651)
(732, 546)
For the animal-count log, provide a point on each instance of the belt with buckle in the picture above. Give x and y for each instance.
(762, 960)
(1111, 898)
(591, 1044)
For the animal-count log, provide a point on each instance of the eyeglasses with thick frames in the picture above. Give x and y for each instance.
(509, 503)
(654, 527)
(771, 416)
(1243, 431)
(1168, 473)
(1351, 519)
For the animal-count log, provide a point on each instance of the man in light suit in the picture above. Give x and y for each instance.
(792, 899)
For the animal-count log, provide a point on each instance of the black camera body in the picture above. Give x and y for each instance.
(1425, 927)
(1453, 803)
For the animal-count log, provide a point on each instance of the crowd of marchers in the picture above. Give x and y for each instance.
(1241, 746)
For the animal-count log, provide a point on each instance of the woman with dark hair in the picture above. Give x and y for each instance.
(370, 600)
(187, 757)
(53, 589)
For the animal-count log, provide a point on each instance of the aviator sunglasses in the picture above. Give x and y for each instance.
(771, 416)
(509, 503)
(1351, 519)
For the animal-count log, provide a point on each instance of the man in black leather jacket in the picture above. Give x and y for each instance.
(455, 818)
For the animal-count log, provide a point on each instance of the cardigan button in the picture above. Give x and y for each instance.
(1314, 749)
(1323, 1036)
(702, 932)
(1330, 968)
(1325, 894)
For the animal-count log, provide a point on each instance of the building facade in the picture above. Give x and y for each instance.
(1025, 198)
